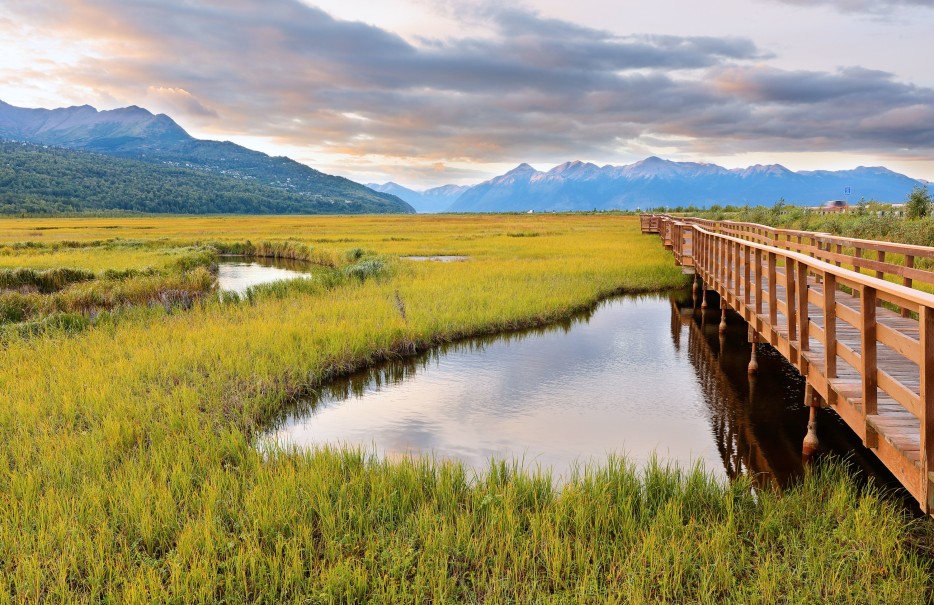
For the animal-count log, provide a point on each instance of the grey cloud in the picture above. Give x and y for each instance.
(860, 6)
(534, 88)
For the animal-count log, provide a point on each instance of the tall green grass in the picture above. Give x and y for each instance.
(129, 471)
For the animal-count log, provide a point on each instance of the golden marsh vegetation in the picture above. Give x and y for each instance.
(128, 471)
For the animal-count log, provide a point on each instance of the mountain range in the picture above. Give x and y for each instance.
(133, 133)
(655, 182)
(437, 199)
(78, 159)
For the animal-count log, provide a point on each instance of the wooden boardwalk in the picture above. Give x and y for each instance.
(805, 294)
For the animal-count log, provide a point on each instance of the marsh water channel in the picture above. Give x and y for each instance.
(239, 274)
(637, 375)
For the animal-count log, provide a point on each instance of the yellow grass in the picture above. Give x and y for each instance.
(128, 474)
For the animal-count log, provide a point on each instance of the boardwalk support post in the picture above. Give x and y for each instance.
(811, 443)
(753, 367)
(722, 317)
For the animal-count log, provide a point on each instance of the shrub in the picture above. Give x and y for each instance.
(918, 204)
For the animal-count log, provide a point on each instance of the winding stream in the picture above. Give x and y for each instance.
(638, 375)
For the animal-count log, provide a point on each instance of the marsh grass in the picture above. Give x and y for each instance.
(129, 472)
(91, 297)
(45, 282)
(289, 250)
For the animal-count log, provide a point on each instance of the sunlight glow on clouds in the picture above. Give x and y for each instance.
(355, 97)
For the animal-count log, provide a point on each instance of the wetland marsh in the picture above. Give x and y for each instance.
(130, 474)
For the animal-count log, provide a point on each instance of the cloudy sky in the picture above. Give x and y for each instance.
(453, 91)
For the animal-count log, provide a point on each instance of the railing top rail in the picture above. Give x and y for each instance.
(922, 299)
(869, 244)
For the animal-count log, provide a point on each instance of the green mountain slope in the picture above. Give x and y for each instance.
(37, 179)
(135, 133)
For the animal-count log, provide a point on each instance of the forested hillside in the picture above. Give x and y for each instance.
(36, 179)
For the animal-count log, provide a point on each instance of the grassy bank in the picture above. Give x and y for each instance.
(128, 472)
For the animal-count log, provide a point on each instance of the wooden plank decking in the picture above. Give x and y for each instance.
(804, 293)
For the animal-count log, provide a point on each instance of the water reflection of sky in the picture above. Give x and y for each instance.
(613, 384)
(236, 276)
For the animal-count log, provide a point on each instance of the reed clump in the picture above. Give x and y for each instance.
(108, 293)
(287, 250)
(50, 280)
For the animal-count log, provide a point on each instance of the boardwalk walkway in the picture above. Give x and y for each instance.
(805, 294)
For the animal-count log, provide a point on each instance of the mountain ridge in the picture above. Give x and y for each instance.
(435, 199)
(46, 179)
(137, 134)
(654, 182)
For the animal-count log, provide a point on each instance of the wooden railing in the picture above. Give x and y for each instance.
(864, 344)
(886, 260)
(649, 223)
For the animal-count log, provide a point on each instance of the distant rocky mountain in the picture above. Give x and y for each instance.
(655, 182)
(437, 199)
(135, 133)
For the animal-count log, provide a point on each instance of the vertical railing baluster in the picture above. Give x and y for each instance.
(747, 278)
(858, 253)
(926, 363)
(734, 268)
(791, 301)
(804, 336)
(758, 278)
(830, 332)
(907, 281)
(773, 296)
(868, 368)
(880, 256)
(731, 266)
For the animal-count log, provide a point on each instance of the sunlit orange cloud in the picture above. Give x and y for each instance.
(530, 89)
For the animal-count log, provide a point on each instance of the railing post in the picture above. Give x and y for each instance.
(880, 256)
(926, 319)
(723, 265)
(868, 368)
(858, 253)
(773, 298)
(907, 281)
(747, 279)
(705, 262)
(738, 273)
(830, 332)
(758, 278)
(804, 342)
(790, 301)
(730, 264)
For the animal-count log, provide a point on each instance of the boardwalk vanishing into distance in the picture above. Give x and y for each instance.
(806, 294)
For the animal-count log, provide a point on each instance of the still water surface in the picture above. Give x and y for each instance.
(239, 275)
(636, 376)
